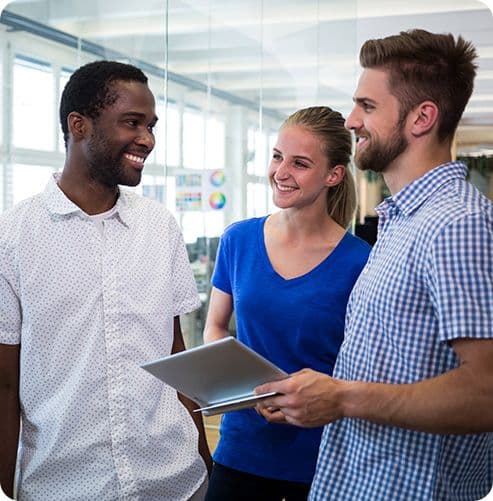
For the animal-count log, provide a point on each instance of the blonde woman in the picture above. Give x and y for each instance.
(287, 276)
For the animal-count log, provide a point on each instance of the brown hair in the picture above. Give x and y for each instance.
(328, 126)
(426, 66)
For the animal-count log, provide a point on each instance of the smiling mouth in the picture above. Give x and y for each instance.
(285, 189)
(361, 141)
(134, 158)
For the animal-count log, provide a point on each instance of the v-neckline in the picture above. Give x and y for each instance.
(268, 263)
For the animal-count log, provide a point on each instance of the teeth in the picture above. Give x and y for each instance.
(134, 158)
(285, 188)
(361, 140)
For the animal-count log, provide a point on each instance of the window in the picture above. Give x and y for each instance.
(257, 158)
(27, 180)
(153, 187)
(196, 153)
(270, 204)
(256, 199)
(192, 224)
(197, 224)
(33, 105)
(214, 223)
(62, 81)
(167, 134)
(193, 139)
(171, 194)
(215, 144)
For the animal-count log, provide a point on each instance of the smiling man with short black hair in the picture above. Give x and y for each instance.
(93, 279)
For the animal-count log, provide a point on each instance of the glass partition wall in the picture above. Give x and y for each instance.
(225, 75)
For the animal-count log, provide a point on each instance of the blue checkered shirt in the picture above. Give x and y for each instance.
(429, 280)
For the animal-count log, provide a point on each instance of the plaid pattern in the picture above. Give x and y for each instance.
(429, 279)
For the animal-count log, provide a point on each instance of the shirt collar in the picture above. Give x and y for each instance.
(412, 196)
(58, 203)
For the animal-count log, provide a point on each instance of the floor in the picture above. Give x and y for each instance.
(212, 430)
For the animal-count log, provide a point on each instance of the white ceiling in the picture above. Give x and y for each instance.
(287, 53)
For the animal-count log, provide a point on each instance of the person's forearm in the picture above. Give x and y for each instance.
(455, 402)
(9, 437)
(9, 415)
(458, 401)
(218, 316)
(214, 333)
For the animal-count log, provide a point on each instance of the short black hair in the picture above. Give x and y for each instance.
(88, 90)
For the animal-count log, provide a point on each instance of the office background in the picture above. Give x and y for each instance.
(225, 74)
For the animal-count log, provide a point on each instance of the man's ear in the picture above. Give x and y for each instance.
(336, 175)
(78, 125)
(424, 118)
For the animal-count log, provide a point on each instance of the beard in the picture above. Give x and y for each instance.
(377, 156)
(106, 168)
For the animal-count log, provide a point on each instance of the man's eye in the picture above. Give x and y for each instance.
(132, 123)
(276, 156)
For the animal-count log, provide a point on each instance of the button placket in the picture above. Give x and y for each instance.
(116, 379)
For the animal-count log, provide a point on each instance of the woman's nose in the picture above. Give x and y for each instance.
(282, 171)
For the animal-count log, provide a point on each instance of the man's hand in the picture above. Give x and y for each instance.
(307, 398)
(458, 401)
(9, 416)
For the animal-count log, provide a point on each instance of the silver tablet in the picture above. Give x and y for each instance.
(219, 376)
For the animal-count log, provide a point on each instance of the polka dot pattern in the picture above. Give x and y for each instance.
(88, 309)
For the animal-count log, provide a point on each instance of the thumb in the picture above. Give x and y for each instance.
(266, 388)
(278, 386)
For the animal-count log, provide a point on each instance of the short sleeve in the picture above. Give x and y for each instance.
(461, 278)
(10, 309)
(185, 296)
(221, 276)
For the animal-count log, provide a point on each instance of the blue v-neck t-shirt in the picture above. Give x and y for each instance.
(295, 323)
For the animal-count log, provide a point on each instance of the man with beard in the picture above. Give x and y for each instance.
(409, 409)
(93, 279)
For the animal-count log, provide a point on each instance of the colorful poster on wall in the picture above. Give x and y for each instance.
(214, 190)
(189, 191)
(203, 190)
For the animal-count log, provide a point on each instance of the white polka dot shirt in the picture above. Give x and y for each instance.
(87, 308)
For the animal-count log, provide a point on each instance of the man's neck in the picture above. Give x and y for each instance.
(413, 164)
(90, 196)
